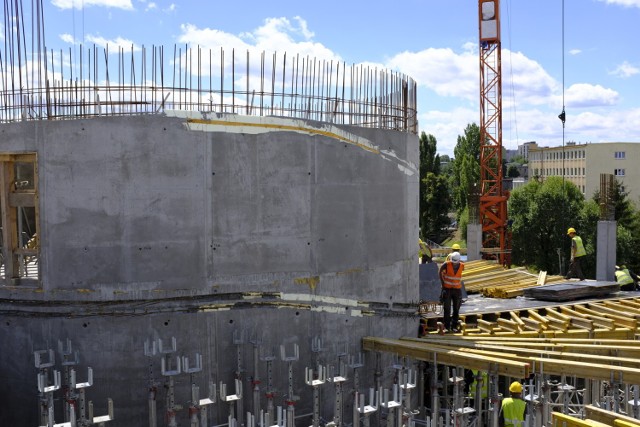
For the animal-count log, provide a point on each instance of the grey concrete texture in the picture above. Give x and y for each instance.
(145, 224)
(113, 346)
(142, 207)
(606, 251)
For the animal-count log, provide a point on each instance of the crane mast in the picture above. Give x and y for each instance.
(493, 200)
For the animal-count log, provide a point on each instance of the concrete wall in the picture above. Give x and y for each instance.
(194, 226)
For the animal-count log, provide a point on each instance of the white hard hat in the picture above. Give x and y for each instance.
(455, 256)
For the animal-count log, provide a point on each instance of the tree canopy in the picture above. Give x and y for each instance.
(540, 214)
(435, 200)
(466, 167)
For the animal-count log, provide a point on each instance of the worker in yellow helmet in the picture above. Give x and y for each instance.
(577, 253)
(513, 408)
(454, 248)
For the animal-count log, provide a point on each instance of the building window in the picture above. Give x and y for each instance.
(619, 155)
(618, 172)
(19, 237)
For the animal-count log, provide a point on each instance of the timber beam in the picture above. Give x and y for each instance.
(450, 357)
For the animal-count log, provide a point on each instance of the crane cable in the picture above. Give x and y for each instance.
(562, 117)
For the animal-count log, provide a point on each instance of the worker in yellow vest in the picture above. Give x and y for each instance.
(513, 408)
(577, 254)
(626, 278)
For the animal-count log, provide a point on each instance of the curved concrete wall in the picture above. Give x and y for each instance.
(196, 226)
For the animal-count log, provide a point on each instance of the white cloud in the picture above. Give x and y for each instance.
(209, 38)
(151, 6)
(612, 126)
(67, 38)
(113, 44)
(575, 51)
(442, 70)
(526, 80)
(78, 4)
(625, 70)
(582, 95)
(625, 3)
(275, 35)
(172, 8)
(447, 125)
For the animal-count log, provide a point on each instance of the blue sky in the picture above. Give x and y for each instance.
(435, 42)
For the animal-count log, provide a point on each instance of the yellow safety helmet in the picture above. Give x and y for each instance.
(571, 230)
(455, 247)
(515, 387)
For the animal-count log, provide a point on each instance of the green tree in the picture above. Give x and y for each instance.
(539, 213)
(512, 172)
(519, 159)
(466, 167)
(429, 157)
(623, 207)
(436, 199)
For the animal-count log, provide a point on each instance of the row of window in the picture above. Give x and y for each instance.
(558, 171)
(570, 172)
(557, 155)
(570, 155)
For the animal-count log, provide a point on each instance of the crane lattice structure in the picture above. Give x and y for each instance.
(493, 200)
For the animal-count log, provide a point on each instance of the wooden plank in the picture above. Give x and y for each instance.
(618, 310)
(421, 351)
(598, 320)
(485, 326)
(533, 325)
(537, 317)
(552, 312)
(619, 307)
(595, 371)
(561, 325)
(25, 199)
(598, 315)
(561, 420)
(509, 325)
(607, 417)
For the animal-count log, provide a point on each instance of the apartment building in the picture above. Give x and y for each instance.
(582, 164)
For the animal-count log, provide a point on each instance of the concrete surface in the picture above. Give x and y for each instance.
(201, 226)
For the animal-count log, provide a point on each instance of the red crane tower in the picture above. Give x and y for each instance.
(493, 200)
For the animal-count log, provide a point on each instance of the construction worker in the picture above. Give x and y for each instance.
(513, 408)
(577, 253)
(454, 248)
(424, 252)
(451, 296)
(626, 278)
(471, 377)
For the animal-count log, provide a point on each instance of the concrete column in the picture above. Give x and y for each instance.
(606, 251)
(474, 241)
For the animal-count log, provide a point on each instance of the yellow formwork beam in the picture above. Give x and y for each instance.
(552, 363)
(418, 351)
(525, 351)
(561, 420)
(608, 417)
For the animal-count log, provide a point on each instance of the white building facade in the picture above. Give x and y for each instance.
(582, 164)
